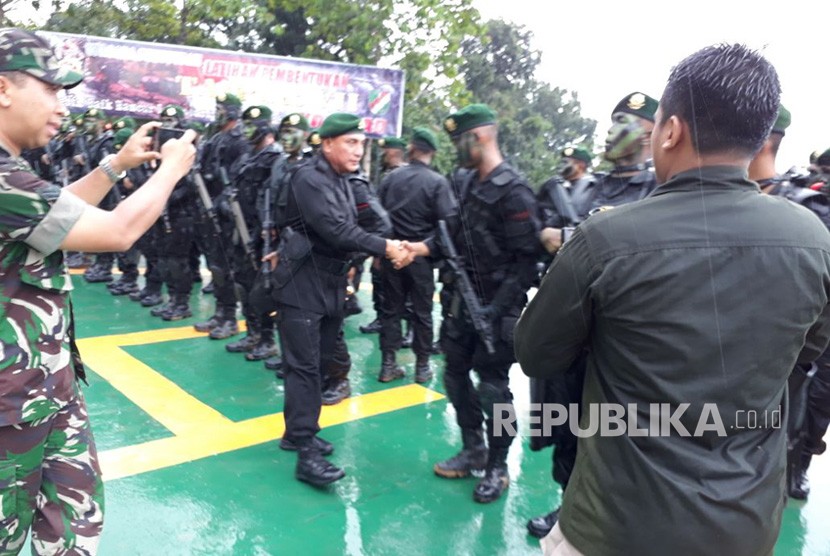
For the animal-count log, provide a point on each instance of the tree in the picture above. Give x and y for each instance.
(535, 120)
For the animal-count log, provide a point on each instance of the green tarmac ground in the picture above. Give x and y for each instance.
(188, 440)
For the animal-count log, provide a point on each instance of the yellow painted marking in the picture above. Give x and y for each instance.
(199, 430)
(212, 440)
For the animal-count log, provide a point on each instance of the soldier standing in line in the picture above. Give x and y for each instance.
(176, 237)
(392, 157)
(496, 237)
(809, 393)
(222, 155)
(628, 146)
(320, 233)
(258, 343)
(416, 197)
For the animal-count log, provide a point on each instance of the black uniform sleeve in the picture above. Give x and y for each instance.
(520, 216)
(321, 212)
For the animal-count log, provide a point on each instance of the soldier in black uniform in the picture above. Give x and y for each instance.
(176, 237)
(321, 234)
(808, 389)
(258, 343)
(392, 158)
(496, 235)
(628, 146)
(416, 197)
(221, 157)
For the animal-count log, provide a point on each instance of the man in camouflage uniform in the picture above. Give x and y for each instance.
(50, 478)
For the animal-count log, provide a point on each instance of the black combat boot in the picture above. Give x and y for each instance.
(325, 447)
(265, 348)
(799, 485)
(496, 479)
(123, 286)
(473, 457)
(436, 348)
(540, 526)
(275, 364)
(179, 309)
(338, 391)
(371, 328)
(208, 325)
(97, 273)
(313, 468)
(76, 260)
(138, 294)
(422, 371)
(161, 309)
(210, 288)
(246, 344)
(389, 369)
(151, 300)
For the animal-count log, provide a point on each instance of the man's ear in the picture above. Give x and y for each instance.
(673, 133)
(5, 83)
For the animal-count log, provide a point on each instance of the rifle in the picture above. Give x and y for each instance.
(560, 200)
(84, 152)
(239, 219)
(207, 202)
(64, 172)
(482, 325)
(267, 230)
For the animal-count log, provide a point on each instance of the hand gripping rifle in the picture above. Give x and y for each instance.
(481, 322)
(239, 220)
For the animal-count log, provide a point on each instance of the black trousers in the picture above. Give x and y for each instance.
(309, 344)
(218, 255)
(416, 284)
(174, 254)
(464, 351)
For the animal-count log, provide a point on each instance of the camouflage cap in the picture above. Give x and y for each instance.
(392, 143)
(469, 117)
(295, 120)
(314, 138)
(124, 122)
(121, 137)
(227, 99)
(638, 104)
(341, 123)
(172, 111)
(782, 122)
(578, 153)
(424, 139)
(255, 113)
(30, 53)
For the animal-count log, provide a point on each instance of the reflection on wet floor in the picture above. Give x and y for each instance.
(187, 434)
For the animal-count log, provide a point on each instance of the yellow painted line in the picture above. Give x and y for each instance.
(158, 396)
(208, 441)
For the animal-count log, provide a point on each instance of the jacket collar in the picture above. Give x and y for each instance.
(709, 177)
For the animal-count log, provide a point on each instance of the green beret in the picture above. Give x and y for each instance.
(783, 120)
(314, 139)
(227, 99)
(578, 153)
(196, 126)
(253, 113)
(94, 114)
(424, 139)
(824, 158)
(295, 120)
(125, 122)
(469, 117)
(121, 137)
(392, 143)
(341, 123)
(638, 104)
(172, 111)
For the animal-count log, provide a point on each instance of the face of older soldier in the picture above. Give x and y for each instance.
(31, 111)
(344, 152)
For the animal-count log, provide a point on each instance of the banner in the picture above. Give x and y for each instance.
(132, 78)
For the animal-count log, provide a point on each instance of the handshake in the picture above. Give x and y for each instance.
(402, 253)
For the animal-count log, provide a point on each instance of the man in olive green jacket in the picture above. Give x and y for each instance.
(688, 348)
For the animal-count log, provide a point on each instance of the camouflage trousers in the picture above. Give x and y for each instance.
(50, 481)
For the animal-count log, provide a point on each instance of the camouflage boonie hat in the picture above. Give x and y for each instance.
(30, 53)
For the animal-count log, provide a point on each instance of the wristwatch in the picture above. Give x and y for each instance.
(106, 166)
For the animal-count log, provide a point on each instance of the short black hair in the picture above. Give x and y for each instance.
(728, 94)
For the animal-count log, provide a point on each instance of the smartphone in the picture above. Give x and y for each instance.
(163, 134)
